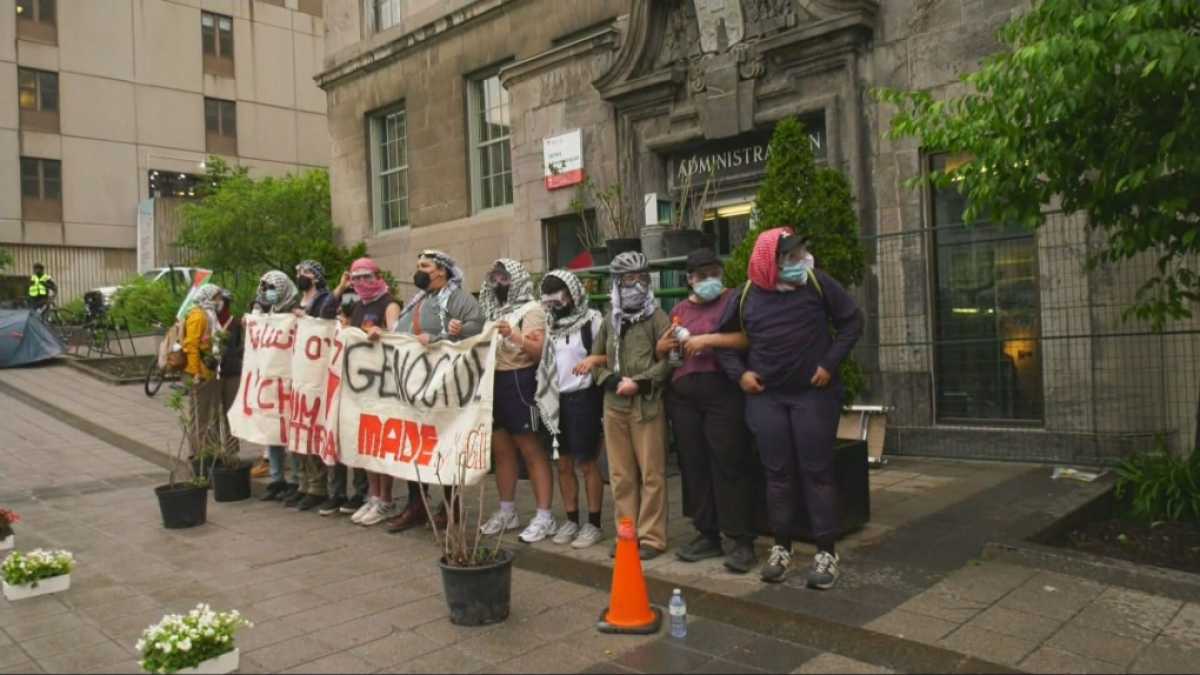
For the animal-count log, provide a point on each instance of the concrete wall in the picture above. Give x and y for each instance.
(132, 88)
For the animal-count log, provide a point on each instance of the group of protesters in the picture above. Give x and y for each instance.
(752, 366)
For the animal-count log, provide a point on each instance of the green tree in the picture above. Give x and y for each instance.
(813, 200)
(1094, 103)
(6, 259)
(247, 226)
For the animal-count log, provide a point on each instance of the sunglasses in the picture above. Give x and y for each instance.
(629, 280)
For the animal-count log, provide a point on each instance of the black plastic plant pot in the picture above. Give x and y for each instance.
(599, 255)
(678, 243)
(231, 484)
(183, 505)
(618, 246)
(478, 596)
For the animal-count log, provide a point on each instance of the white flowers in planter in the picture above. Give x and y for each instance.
(201, 641)
(36, 573)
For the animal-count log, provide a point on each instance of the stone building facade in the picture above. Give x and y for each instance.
(988, 341)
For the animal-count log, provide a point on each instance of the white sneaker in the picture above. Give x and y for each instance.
(539, 529)
(566, 533)
(500, 522)
(382, 511)
(363, 510)
(588, 535)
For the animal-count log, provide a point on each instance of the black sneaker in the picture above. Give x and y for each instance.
(741, 559)
(352, 505)
(777, 565)
(310, 502)
(294, 500)
(647, 552)
(824, 573)
(330, 506)
(289, 492)
(703, 547)
(274, 490)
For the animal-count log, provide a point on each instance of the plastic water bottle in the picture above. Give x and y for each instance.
(678, 610)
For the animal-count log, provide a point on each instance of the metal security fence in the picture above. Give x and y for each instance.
(997, 342)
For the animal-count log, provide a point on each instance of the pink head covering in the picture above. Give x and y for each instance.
(368, 291)
(763, 269)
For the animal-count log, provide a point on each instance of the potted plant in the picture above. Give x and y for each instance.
(7, 536)
(202, 641)
(36, 573)
(620, 227)
(588, 231)
(685, 233)
(476, 578)
(183, 503)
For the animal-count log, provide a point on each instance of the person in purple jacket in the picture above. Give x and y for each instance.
(793, 394)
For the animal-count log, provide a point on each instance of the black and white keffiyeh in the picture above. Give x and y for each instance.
(547, 374)
(454, 279)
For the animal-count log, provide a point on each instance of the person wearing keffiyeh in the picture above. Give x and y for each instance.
(200, 322)
(571, 405)
(634, 379)
(277, 294)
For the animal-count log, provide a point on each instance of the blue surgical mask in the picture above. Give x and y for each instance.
(272, 296)
(709, 289)
(795, 273)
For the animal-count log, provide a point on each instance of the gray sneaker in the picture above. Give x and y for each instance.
(777, 565)
(823, 574)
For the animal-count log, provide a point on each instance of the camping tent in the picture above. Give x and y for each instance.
(25, 339)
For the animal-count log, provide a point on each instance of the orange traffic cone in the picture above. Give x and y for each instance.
(629, 609)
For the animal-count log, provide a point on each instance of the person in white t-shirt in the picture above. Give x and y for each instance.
(572, 406)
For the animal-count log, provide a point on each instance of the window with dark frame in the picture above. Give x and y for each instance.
(389, 162)
(216, 38)
(37, 20)
(37, 98)
(41, 189)
(987, 320)
(491, 158)
(220, 126)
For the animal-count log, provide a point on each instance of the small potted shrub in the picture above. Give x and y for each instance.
(686, 233)
(7, 536)
(476, 577)
(38, 572)
(202, 641)
(183, 503)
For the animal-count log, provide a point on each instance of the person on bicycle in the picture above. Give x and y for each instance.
(41, 287)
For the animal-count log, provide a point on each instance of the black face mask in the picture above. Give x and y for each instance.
(422, 280)
(501, 294)
(304, 283)
(561, 312)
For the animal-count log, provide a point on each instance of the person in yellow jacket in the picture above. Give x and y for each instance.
(41, 287)
(200, 322)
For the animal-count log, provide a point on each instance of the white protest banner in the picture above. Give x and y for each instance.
(310, 428)
(262, 410)
(417, 412)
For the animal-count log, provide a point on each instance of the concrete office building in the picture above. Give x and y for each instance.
(990, 341)
(106, 104)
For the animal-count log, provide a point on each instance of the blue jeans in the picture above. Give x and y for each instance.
(276, 455)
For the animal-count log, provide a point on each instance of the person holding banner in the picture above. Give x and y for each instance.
(278, 295)
(374, 312)
(440, 310)
(572, 406)
(314, 296)
(200, 323)
(507, 298)
(626, 365)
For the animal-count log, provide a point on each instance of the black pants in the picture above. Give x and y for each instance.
(706, 413)
(337, 482)
(796, 431)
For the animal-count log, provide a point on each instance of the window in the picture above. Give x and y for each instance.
(216, 38)
(220, 126)
(172, 184)
(727, 225)
(987, 323)
(385, 14)
(389, 162)
(41, 189)
(37, 96)
(37, 20)
(491, 162)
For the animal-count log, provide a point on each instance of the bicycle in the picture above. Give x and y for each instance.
(155, 377)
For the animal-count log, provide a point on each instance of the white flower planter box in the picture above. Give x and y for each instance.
(7, 543)
(225, 663)
(43, 587)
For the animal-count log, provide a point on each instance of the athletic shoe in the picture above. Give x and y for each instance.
(382, 511)
(703, 547)
(274, 490)
(289, 492)
(500, 522)
(741, 559)
(310, 502)
(647, 552)
(331, 506)
(352, 505)
(294, 501)
(824, 573)
(588, 535)
(539, 528)
(566, 533)
(368, 506)
(777, 565)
